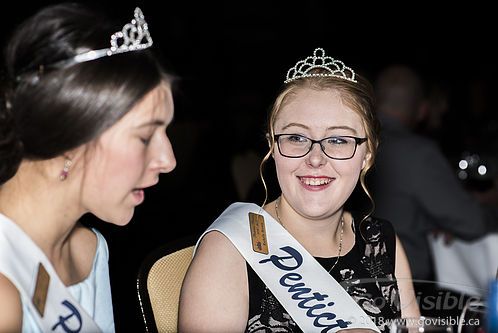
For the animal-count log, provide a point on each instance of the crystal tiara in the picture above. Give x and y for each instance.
(134, 36)
(334, 68)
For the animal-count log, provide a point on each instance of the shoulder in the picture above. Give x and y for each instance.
(422, 152)
(215, 247)
(85, 239)
(84, 245)
(82, 234)
(409, 145)
(10, 306)
(102, 246)
(216, 279)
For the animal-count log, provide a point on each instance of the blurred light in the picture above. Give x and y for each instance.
(482, 170)
(462, 175)
(463, 164)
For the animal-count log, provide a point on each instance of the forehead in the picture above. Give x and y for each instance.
(158, 103)
(318, 110)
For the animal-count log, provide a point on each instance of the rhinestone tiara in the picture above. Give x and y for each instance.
(134, 36)
(334, 68)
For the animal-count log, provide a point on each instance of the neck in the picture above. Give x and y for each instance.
(43, 207)
(321, 236)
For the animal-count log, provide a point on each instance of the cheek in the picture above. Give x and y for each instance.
(126, 169)
(108, 186)
(285, 168)
(350, 168)
(115, 169)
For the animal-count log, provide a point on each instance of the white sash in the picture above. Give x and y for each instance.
(20, 260)
(312, 297)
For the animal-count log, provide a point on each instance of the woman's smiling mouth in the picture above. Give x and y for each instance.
(315, 181)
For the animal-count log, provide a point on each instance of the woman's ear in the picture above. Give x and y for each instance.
(366, 160)
(268, 139)
(71, 161)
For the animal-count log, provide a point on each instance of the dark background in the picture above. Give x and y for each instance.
(231, 58)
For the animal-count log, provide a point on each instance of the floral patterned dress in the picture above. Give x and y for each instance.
(366, 272)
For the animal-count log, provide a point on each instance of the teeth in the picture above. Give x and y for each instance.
(316, 181)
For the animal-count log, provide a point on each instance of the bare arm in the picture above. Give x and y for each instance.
(214, 296)
(10, 307)
(409, 305)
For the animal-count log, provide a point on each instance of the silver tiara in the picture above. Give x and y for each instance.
(134, 36)
(334, 68)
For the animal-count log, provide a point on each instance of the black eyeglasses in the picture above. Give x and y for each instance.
(335, 147)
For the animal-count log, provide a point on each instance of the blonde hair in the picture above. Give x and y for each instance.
(357, 96)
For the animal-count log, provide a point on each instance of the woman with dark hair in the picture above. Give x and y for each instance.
(302, 263)
(82, 130)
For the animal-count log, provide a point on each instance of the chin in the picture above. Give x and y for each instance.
(125, 220)
(121, 219)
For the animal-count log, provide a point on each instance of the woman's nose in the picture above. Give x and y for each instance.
(164, 160)
(316, 157)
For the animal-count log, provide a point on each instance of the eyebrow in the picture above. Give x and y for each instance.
(152, 123)
(328, 128)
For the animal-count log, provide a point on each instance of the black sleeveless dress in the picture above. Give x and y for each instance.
(366, 273)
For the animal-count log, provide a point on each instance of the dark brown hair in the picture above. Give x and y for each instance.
(47, 111)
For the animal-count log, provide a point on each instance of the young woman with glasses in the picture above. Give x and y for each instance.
(322, 136)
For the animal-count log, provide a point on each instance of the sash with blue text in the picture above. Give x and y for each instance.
(311, 296)
(27, 267)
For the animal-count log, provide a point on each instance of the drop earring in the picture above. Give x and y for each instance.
(65, 171)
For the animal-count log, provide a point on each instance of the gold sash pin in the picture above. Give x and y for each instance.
(258, 233)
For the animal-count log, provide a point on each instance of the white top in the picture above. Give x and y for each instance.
(94, 293)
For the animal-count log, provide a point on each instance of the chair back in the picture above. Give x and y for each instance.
(159, 282)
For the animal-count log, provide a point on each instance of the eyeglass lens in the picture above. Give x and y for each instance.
(336, 147)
